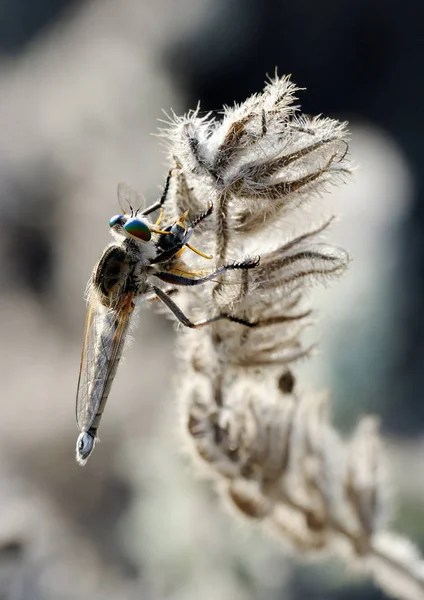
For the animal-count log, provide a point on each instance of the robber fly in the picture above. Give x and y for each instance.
(141, 254)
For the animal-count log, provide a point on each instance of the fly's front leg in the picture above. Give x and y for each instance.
(192, 227)
(175, 279)
(176, 310)
(159, 203)
(201, 217)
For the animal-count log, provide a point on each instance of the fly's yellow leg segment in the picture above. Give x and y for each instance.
(191, 274)
(180, 252)
(156, 230)
(183, 217)
(159, 219)
(193, 249)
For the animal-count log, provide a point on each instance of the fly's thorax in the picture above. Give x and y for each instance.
(176, 236)
(141, 253)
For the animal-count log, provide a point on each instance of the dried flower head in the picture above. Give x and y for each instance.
(272, 450)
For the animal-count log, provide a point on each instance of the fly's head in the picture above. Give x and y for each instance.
(130, 226)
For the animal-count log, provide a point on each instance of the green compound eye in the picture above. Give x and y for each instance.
(114, 220)
(138, 229)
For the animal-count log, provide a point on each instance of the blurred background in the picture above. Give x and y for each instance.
(82, 85)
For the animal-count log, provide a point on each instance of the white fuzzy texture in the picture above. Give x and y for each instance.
(272, 449)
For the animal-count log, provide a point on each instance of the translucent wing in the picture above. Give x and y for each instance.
(129, 200)
(104, 337)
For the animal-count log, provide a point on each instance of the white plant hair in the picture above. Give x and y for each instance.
(272, 450)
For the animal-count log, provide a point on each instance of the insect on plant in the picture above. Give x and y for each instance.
(242, 183)
(132, 268)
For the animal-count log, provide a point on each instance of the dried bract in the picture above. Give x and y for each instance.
(272, 449)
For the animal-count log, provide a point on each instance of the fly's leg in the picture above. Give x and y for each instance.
(159, 203)
(192, 227)
(175, 279)
(201, 217)
(176, 310)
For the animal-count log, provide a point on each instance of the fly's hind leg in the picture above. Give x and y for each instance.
(182, 318)
(175, 279)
